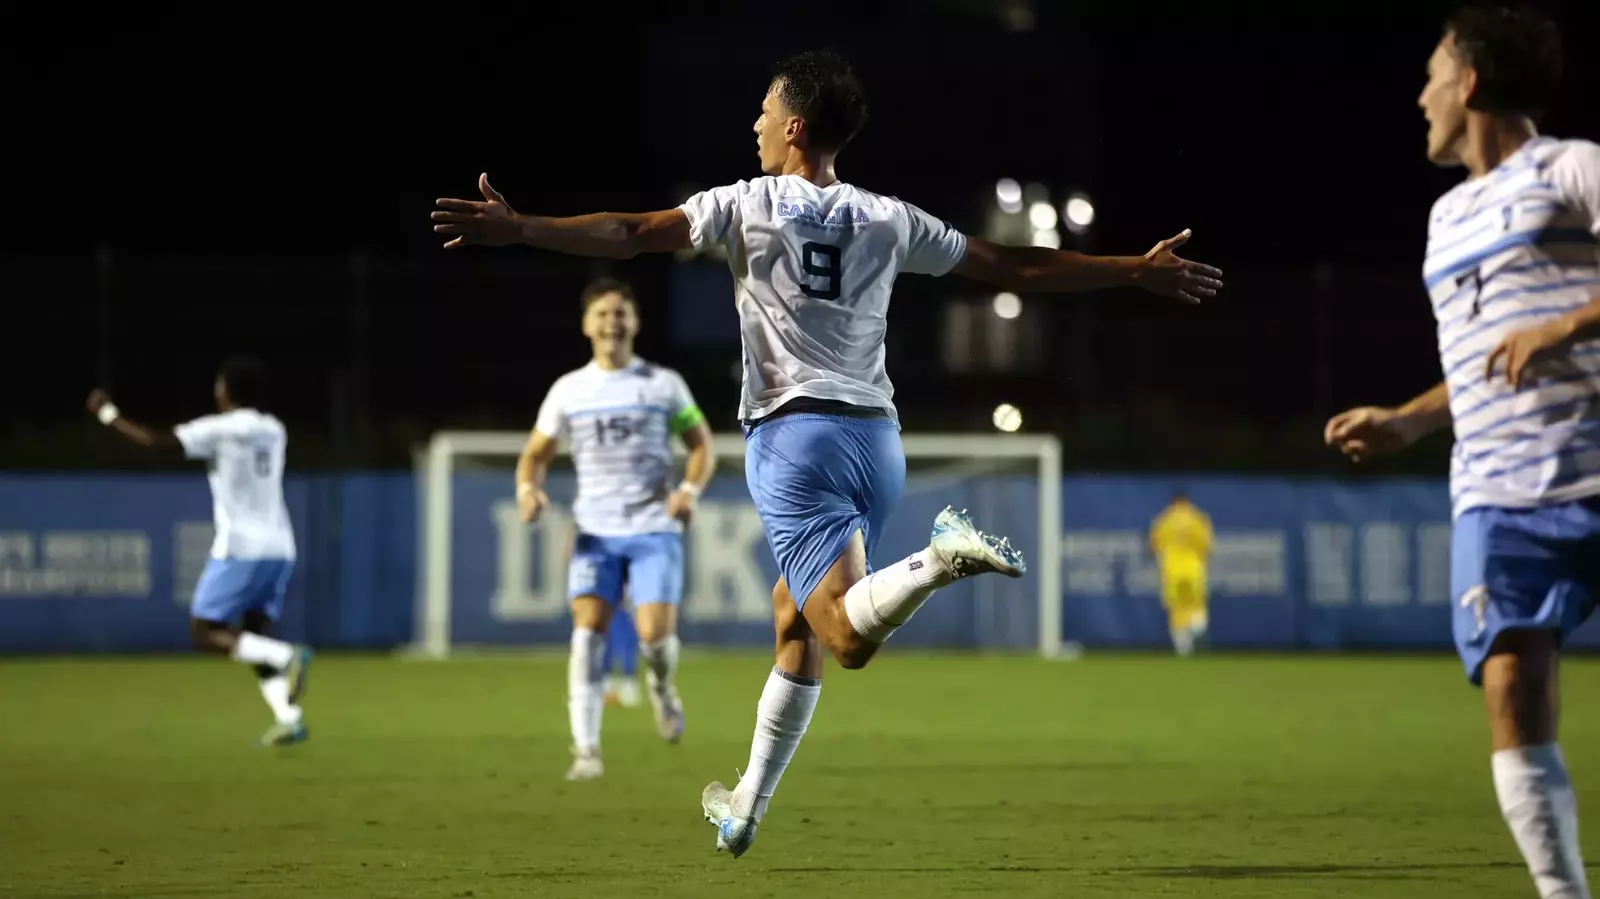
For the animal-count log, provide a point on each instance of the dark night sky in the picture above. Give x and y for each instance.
(1287, 141)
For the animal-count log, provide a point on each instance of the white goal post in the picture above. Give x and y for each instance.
(437, 469)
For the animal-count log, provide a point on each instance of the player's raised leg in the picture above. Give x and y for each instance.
(1522, 581)
(594, 583)
(655, 579)
(824, 485)
(254, 590)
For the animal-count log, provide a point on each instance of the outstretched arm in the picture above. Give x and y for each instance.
(101, 407)
(1043, 270)
(612, 235)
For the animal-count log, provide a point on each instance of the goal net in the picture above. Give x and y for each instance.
(487, 579)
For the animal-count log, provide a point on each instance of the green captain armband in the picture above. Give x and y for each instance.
(687, 417)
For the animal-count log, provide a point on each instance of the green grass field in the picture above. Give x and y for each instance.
(922, 776)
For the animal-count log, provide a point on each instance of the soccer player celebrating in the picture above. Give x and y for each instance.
(620, 414)
(252, 556)
(814, 260)
(1513, 270)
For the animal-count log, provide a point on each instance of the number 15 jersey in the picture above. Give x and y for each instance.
(813, 268)
(620, 424)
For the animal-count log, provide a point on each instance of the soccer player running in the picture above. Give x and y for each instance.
(253, 553)
(620, 414)
(1513, 270)
(1180, 539)
(814, 260)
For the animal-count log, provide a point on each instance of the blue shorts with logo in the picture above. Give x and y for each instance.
(650, 565)
(1522, 569)
(818, 478)
(229, 588)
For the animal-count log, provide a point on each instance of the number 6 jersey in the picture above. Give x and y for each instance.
(813, 268)
(244, 450)
(620, 424)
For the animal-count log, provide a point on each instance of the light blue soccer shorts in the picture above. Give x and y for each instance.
(229, 588)
(818, 478)
(651, 565)
(1522, 569)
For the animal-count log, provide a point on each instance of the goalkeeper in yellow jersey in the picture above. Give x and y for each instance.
(1180, 539)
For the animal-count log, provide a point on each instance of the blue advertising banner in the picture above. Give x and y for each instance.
(108, 563)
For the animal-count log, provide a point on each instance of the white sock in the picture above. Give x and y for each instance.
(1541, 809)
(880, 603)
(254, 649)
(1183, 640)
(586, 695)
(781, 719)
(275, 690)
(660, 662)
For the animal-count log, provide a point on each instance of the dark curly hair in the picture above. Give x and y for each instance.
(1516, 53)
(819, 87)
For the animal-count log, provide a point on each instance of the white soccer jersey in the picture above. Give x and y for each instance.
(245, 451)
(620, 425)
(1507, 251)
(812, 269)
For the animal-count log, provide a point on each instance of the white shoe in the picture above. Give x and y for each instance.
(669, 713)
(585, 765)
(967, 551)
(734, 835)
(628, 694)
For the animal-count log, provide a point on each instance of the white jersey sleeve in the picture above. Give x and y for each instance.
(933, 247)
(1576, 173)
(201, 436)
(552, 420)
(713, 214)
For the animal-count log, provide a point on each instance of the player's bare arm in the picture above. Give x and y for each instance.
(101, 407)
(1043, 270)
(697, 471)
(491, 222)
(1520, 349)
(1369, 431)
(532, 466)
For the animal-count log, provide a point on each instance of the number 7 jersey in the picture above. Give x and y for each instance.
(813, 268)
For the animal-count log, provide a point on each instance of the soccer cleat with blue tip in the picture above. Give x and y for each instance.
(297, 673)
(285, 735)
(734, 835)
(967, 551)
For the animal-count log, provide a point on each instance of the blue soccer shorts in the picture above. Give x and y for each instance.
(1522, 569)
(650, 565)
(229, 588)
(817, 479)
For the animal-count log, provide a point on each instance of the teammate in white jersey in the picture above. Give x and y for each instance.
(814, 260)
(620, 414)
(241, 592)
(1513, 269)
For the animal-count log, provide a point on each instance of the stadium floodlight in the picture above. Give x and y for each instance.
(1008, 194)
(1047, 237)
(1007, 305)
(1042, 216)
(487, 579)
(1078, 212)
(1007, 418)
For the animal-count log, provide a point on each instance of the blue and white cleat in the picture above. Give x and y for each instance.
(734, 835)
(967, 551)
(285, 735)
(297, 673)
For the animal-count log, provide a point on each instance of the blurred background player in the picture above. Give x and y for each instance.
(253, 553)
(620, 413)
(622, 652)
(1513, 270)
(1180, 539)
(814, 260)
